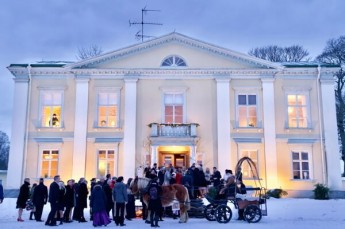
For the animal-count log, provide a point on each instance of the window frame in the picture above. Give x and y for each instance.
(108, 90)
(297, 92)
(248, 91)
(301, 150)
(175, 91)
(115, 161)
(174, 62)
(257, 162)
(40, 107)
(48, 147)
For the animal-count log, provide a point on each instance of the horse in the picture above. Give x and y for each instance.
(170, 193)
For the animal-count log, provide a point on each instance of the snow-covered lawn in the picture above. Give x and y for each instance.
(282, 213)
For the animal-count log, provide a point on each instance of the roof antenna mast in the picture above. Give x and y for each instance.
(140, 33)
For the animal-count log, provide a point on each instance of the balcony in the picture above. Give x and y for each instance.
(173, 130)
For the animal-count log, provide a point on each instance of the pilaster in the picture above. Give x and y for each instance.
(223, 124)
(270, 133)
(18, 136)
(80, 127)
(129, 140)
(329, 119)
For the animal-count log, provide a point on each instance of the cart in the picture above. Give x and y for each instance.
(254, 207)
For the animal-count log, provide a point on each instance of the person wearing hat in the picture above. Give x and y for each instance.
(39, 199)
(120, 199)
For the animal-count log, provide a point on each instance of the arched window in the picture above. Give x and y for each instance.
(173, 61)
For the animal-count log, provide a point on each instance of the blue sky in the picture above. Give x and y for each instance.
(35, 30)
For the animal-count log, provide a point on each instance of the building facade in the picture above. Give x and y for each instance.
(178, 100)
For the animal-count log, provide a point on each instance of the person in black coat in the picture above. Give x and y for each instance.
(187, 181)
(24, 195)
(196, 180)
(216, 178)
(155, 204)
(54, 192)
(81, 200)
(39, 199)
(1, 193)
(61, 202)
(69, 201)
(109, 195)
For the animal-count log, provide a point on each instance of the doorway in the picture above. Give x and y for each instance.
(178, 156)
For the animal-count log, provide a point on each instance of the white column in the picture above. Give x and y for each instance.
(129, 140)
(329, 119)
(270, 133)
(17, 145)
(223, 124)
(192, 150)
(80, 127)
(154, 155)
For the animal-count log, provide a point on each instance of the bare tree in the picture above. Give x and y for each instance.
(91, 51)
(274, 53)
(334, 53)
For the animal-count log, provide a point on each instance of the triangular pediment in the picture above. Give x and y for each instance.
(197, 55)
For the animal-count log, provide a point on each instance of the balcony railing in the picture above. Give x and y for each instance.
(173, 130)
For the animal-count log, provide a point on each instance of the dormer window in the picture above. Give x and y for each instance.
(173, 61)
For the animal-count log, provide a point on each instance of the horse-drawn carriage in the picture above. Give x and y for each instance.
(253, 205)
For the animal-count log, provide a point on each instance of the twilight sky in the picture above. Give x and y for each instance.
(35, 30)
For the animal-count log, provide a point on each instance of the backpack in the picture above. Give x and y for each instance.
(153, 193)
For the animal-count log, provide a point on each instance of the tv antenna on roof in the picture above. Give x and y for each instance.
(140, 33)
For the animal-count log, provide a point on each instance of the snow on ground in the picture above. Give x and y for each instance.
(282, 213)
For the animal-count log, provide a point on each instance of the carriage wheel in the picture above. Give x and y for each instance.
(252, 214)
(209, 212)
(223, 214)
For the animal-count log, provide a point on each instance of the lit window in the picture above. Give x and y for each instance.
(106, 162)
(51, 108)
(247, 110)
(50, 160)
(107, 109)
(300, 165)
(247, 171)
(173, 108)
(173, 61)
(297, 111)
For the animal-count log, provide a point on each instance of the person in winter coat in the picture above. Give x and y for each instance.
(130, 206)
(98, 203)
(33, 210)
(108, 194)
(215, 178)
(61, 202)
(39, 199)
(69, 201)
(120, 198)
(179, 176)
(202, 182)
(187, 181)
(24, 195)
(54, 190)
(155, 204)
(1, 192)
(81, 202)
(208, 176)
(167, 177)
(196, 180)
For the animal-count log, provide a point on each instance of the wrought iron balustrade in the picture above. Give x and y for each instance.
(173, 130)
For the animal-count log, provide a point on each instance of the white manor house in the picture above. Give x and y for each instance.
(178, 100)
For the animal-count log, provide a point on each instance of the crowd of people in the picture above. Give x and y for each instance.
(111, 199)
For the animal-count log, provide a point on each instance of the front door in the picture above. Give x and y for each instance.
(178, 156)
